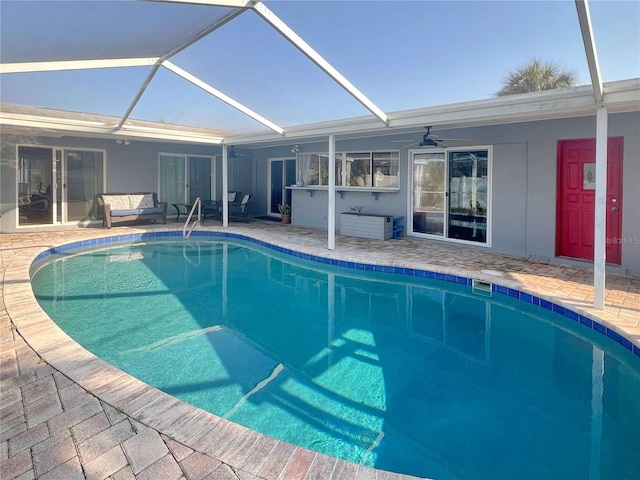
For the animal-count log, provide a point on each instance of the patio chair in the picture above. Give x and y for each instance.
(243, 204)
(211, 207)
(214, 207)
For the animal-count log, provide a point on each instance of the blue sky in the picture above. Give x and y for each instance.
(401, 54)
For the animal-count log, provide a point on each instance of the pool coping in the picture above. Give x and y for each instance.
(207, 433)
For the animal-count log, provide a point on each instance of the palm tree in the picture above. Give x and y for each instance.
(536, 76)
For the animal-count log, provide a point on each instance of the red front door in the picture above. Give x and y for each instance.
(576, 198)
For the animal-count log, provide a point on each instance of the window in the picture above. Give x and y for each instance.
(314, 168)
(352, 169)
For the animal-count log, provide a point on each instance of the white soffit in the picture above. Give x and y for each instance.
(72, 126)
(622, 96)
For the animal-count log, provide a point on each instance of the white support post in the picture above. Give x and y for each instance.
(600, 223)
(225, 187)
(331, 207)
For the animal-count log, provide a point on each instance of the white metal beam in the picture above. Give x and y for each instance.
(590, 47)
(61, 65)
(600, 223)
(212, 3)
(218, 94)
(331, 197)
(225, 186)
(139, 94)
(200, 35)
(316, 58)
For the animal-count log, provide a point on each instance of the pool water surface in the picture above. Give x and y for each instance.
(407, 374)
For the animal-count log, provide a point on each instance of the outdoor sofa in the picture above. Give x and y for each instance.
(129, 207)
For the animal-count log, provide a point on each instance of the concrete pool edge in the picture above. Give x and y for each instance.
(162, 412)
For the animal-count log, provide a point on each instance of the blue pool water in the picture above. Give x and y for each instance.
(407, 374)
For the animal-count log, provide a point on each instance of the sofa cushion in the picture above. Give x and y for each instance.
(149, 211)
(124, 213)
(142, 201)
(117, 202)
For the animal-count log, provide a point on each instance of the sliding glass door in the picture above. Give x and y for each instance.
(449, 194)
(183, 178)
(84, 181)
(282, 173)
(428, 199)
(468, 174)
(57, 185)
(173, 174)
(35, 185)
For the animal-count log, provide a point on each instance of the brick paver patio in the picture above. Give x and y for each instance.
(66, 414)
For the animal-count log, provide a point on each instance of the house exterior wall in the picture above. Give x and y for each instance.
(131, 168)
(523, 179)
(523, 184)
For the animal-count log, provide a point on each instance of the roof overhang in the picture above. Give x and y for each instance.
(621, 96)
(46, 122)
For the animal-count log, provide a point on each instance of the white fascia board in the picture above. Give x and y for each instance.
(61, 65)
(316, 58)
(101, 130)
(53, 120)
(212, 3)
(177, 136)
(590, 48)
(619, 96)
(218, 94)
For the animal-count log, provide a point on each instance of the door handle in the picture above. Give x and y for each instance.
(614, 209)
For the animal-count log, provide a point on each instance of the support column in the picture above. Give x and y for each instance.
(225, 187)
(600, 223)
(331, 212)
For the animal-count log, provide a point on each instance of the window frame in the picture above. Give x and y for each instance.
(447, 189)
(341, 160)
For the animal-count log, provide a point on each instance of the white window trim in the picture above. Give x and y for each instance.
(355, 188)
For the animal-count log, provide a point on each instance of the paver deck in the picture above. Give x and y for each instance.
(67, 415)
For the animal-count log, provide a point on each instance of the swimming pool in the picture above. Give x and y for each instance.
(478, 387)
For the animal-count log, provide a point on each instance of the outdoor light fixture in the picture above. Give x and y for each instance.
(295, 149)
(125, 142)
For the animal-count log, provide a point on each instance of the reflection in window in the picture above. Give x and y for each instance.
(385, 167)
(468, 195)
(358, 169)
(450, 194)
(314, 168)
(353, 169)
(85, 180)
(429, 194)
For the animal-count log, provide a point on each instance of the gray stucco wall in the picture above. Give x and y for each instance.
(130, 168)
(523, 183)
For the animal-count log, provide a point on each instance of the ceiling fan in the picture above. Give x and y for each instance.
(432, 140)
(231, 153)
